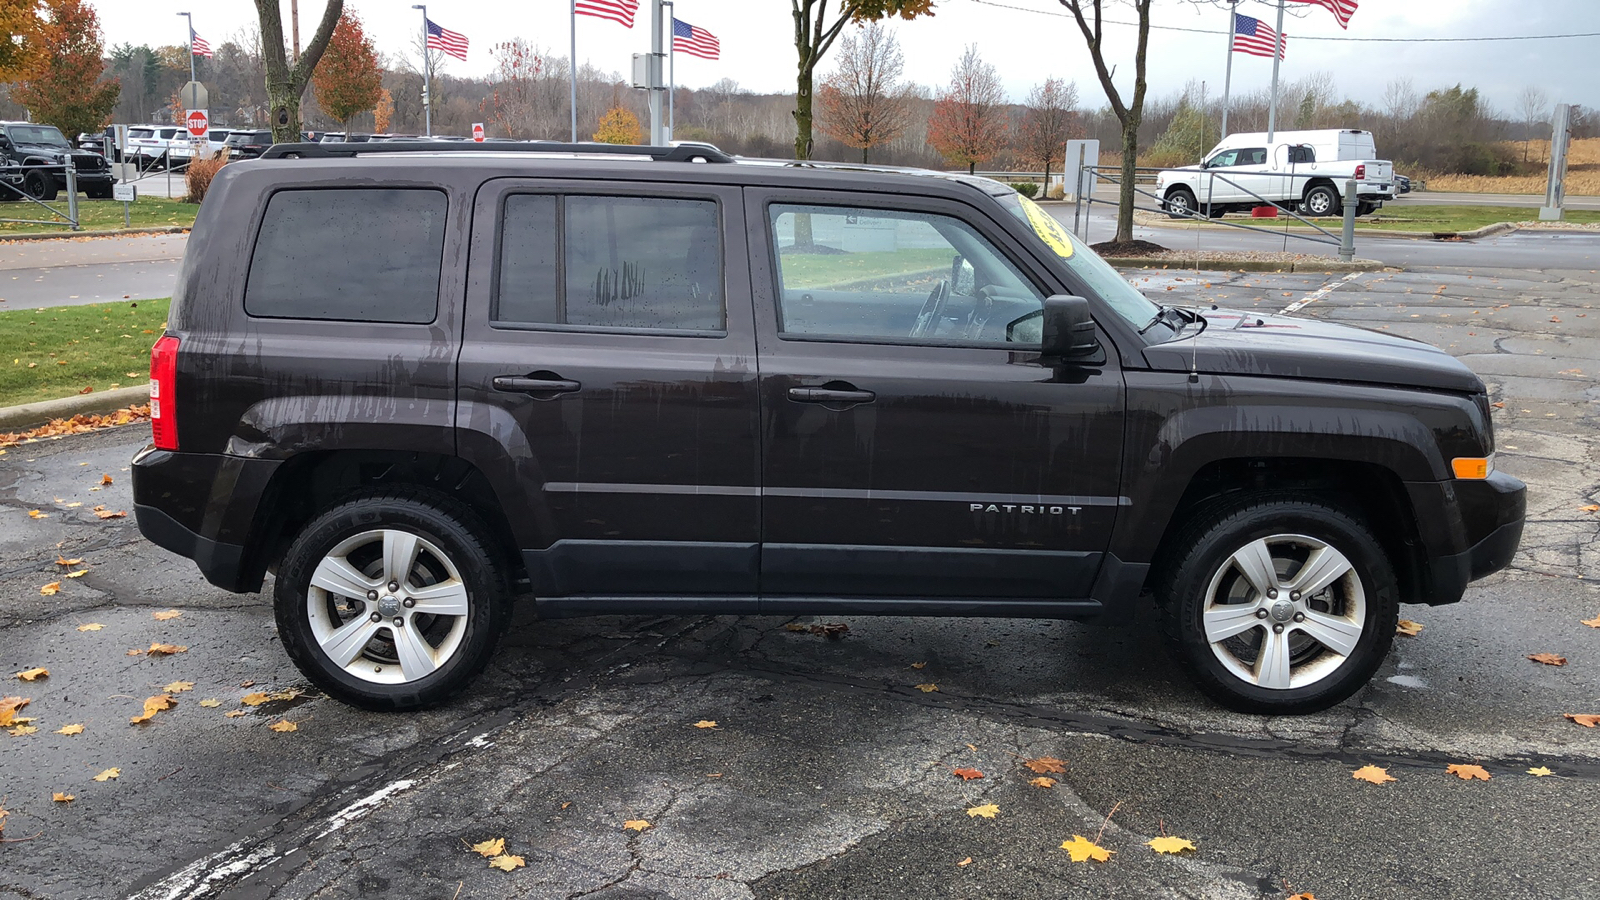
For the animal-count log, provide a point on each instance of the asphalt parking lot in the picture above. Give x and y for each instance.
(829, 773)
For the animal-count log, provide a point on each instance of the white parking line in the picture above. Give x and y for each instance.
(1318, 294)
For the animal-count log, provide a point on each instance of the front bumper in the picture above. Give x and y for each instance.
(1474, 533)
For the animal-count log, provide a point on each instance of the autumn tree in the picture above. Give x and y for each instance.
(286, 83)
(814, 34)
(619, 126)
(19, 33)
(1087, 15)
(383, 114)
(968, 124)
(61, 84)
(348, 81)
(527, 93)
(864, 102)
(1047, 122)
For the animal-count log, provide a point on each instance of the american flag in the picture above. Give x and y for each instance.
(1256, 37)
(694, 41)
(198, 45)
(1341, 9)
(445, 40)
(619, 11)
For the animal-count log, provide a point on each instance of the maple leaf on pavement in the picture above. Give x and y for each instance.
(31, 674)
(1468, 772)
(1042, 782)
(91, 626)
(966, 774)
(166, 614)
(706, 723)
(635, 825)
(1166, 844)
(1082, 849)
(1549, 659)
(211, 703)
(1408, 628)
(987, 811)
(178, 687)
(1540, 771)
(494, 847)
(152, 706)
(1587, 721)
(8, 709)
(1374, 774)
(1592, 623)
(166, 649)
(506, 863)
(51, 589)
(62, 797)
(108, 774)
(1046, 765)
(284, 726)
(70, 729)
(928, 688)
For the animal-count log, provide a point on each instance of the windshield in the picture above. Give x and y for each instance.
(46, 135)
(141, 132)
(1084, 263)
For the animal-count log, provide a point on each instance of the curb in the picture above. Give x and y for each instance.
(1245, 265)
(30, 414)
(114, 232)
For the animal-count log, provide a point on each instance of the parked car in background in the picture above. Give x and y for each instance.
(248, 143)
(183, 146)
(94, 142)
(1301, 170)
(33, 159)
(1402, 184)
(149, 145)
(339, 137)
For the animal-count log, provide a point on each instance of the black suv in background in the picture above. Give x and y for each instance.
(646, 380)
(248, 144)
(33, 159)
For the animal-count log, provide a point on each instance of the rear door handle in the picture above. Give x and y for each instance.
(830, 395)
(522, 384)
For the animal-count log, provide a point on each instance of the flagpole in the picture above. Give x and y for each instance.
(427, 75)
(1277, 57)
(191, 43)
(672, 70)
(572, 67)
(1227, 80)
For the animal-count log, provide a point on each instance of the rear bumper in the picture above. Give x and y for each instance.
(1475, 533)
(221, 564)
(203, 506)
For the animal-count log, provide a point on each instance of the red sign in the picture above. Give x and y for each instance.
(477, 132)
(197, 122)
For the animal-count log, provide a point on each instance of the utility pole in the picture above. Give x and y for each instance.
(1277, 57)
(1227, 79)
(191, 44)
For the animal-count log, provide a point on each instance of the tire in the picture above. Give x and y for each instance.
(349, 544)
(99, 193)
(1366, 209)
(1322, 200)
(1180, 203)
(39, 186)
(1207, 594)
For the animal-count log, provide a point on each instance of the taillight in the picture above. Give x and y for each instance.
(1361, 171)
(163, 377)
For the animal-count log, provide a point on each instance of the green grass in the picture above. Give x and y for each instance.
(1408, 217)
(56, 352)
(98, 215)
(805, 270)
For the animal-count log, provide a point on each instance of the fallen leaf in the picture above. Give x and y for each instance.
(137, 651)
(284, 726)
(1549, 659)
(108, 774)
(153, 705)
(964, 863)
(507, 863)
(1305, 896)
(1082, 849)
(21, 730)
(31, 674)
(166, 614)
(1540, 771)
(178, 687)
(494, 847)
(65, 563)
(211, 703)
(255, 698)
(104, 513)
(635, 825)
(8, 710)
(706, 723)
(1168, 844)
(1586, 721)
(928, 688)
(1408, 628)
(92, 626)
(51, 589)
(1592, 623)
(61, 797)
(1592, 507)
(1373, 774)
(922, 665)
(105, 479)
(1468, 772)
(1046, 764)
(166, 649)
(966, 774)
(1042, 782)
(986, 811)
(36, 514)
(70, 729)
(234, 713)
(78, 574)
(794, 626)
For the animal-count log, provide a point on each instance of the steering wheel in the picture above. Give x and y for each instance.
(932, 309)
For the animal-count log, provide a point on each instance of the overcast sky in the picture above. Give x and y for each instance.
(1027, 44)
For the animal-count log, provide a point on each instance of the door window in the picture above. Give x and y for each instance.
(610, 262)
(894, 276)
(1251, 156)
(1225, 158)
(1302, 154)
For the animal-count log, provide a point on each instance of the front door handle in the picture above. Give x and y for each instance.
(523, 384)
(830, 395)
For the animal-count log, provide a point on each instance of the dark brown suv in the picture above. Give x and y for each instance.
(414, 380)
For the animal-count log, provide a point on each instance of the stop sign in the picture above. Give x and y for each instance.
(477, 132)
(197, 122)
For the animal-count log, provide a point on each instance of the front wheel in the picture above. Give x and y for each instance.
(39, 186)
(1280, 606)
(1181, 203)
(392, 601)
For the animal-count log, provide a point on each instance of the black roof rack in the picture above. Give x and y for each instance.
(687, 152)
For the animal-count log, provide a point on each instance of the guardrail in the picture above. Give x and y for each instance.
(70, 176)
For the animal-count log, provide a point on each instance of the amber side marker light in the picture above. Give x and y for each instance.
(1476, 469)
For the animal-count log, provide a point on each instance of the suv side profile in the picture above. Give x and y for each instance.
(662, 380)
(34, 156)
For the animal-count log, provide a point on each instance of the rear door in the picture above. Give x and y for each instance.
(913, 444)
(608, 385)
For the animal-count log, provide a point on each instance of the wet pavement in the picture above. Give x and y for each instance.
(829, 773)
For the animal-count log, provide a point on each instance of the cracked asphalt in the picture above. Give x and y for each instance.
(829, 773)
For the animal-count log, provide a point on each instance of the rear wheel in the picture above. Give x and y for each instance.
(1322, 200)
(392, 601)
(1280, 606)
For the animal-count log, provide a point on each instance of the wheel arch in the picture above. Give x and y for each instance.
(1313, 183)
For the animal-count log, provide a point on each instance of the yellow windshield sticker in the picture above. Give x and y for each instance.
(1047, 228)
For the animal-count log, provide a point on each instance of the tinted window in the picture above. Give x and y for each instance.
(624, 262)
(1225, 158)
(1302, 154)
(370, 255)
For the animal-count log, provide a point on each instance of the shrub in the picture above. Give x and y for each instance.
(197, 180)
(1027, 189)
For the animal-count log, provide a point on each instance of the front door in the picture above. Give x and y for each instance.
(913, 444)
(608, 385)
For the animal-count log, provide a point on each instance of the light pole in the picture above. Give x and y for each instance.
(191, 43)
(427, 74)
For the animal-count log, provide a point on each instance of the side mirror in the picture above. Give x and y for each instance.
(1068, 330)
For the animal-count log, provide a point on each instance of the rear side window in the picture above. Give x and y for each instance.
(1302, 154)
(610, 262)
(366, 255)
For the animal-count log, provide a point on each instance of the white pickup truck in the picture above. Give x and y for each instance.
(1301, 170)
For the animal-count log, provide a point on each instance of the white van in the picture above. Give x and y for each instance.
(1301, 170)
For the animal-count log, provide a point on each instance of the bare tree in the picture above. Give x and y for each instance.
(814, 35)
(1047, 123)
(864, 102)
(1534, 105)
(1087, 13)
(968, 124)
